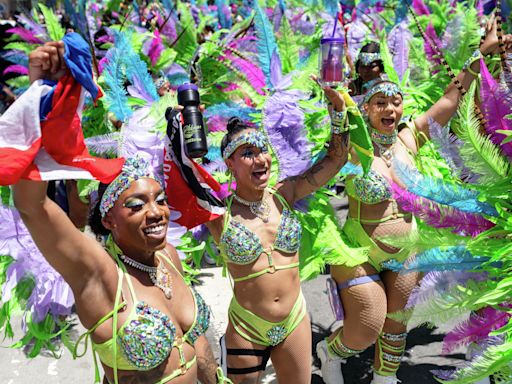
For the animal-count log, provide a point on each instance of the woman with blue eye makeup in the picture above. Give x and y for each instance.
(369, 291)
(145, 323)
(259, 238)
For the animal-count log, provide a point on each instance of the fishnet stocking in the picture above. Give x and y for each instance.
(292, 357)
(399, 227)
(398, 289)
(365, 307)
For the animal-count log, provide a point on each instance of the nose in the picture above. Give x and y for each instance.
(260, 159)
(154, 210)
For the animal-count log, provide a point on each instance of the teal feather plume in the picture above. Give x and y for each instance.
(451, 194)
(266, 43)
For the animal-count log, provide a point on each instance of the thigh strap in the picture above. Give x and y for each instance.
(358, 281)
(263, 353)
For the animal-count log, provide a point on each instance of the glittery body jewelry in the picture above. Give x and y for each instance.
(256, 138)
(388, 88)
(146, 340)
(366, 58)
(383, 138)
(133, 169)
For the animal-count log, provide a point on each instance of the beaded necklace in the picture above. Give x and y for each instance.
(380, 140)
(160, 276)
(260, 208)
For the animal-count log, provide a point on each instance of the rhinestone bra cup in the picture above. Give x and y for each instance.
(373, 188)
(243, 247)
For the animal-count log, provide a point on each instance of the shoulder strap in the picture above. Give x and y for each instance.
(281, 198)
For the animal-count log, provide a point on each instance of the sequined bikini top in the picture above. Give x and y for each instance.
(239, 245)
(148, 336)
(372, 188)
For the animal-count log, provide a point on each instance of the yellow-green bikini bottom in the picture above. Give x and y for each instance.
(376, 256)
(260, 331)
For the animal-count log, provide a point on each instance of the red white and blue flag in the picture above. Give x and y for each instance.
(41, 135)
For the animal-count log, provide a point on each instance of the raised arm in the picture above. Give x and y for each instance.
(74, 255)
(443, 110)
(298, 187)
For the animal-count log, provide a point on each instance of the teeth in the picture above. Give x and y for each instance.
(156, 229)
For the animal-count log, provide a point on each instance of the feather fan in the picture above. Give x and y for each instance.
(104, 145)
(32, 26)
(420, 8)
(155, 47)
(448, 146)
(136, 69)
(439, 259)
(115, 93)
(436, 283)
(432, 55)
(55, 31)
(496, 104)
(491, 361)
(16, 68)
(440, 216)
(475, 329)
(398, 44)
(478, 152)
(228, 110)
(252, 72)
(16, 57)
(454, 195)
(25, 35)
(266, 43)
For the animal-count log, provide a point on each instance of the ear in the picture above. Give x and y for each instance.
(108, 222)
(366, 106)
(229, 164)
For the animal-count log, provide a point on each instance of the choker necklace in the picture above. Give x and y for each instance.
(380, 140)
(160, 276)
(260, 208)
(383, 138)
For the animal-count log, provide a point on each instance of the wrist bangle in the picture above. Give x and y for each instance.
(469, 62)
(338, 118)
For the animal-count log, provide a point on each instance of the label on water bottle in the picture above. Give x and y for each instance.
(192, 133)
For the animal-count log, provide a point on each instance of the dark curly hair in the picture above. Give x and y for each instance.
(95, 214)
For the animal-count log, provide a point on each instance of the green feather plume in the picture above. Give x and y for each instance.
(55, 30)
(478, 152)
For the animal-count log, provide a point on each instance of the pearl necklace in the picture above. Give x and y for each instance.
(260, 208)
(160, 276)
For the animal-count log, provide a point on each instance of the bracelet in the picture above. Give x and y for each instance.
(469, 62)
(338, 117)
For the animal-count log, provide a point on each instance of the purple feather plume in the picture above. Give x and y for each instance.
(420, 7)
(51, 295)
(284, 122)
(30, 24)
(449, 146)
(431, 34)
(356, 36)
(153, 47)
(398, 43)
(475, 329)
(25, 35)
(217, 123)
(436, 283)
(16, 68)
(495, 107)
(440, 216)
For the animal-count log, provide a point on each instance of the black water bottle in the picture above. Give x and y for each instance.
(194, 134)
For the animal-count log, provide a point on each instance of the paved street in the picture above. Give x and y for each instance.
(423, 347)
